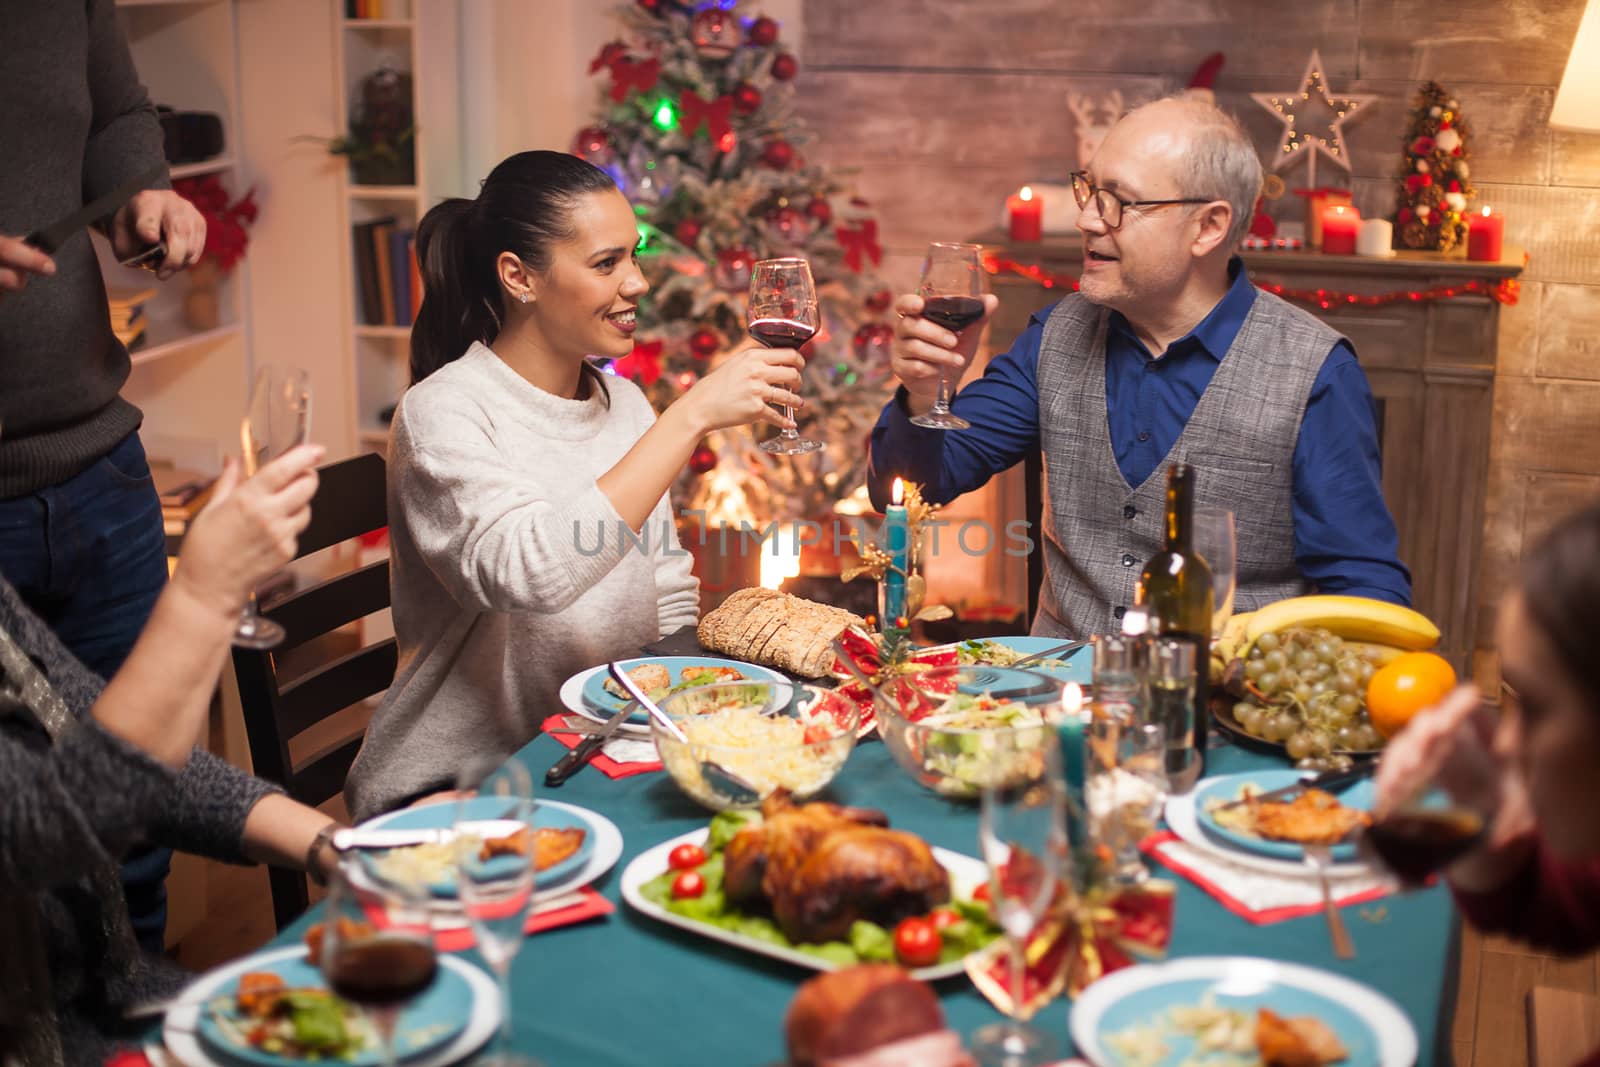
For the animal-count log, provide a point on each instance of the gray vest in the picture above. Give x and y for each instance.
(1098, 532)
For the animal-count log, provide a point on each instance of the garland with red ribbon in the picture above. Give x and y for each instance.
(858, 241)
(1504, 290)
(694, 110)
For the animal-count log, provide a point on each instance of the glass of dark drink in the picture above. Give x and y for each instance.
(952, 288)
(783, 313)
(377, 949)
(1446, 815)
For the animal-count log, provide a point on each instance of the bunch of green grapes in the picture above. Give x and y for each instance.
(1307, 691)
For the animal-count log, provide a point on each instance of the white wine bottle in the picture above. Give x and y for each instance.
(1175, 591)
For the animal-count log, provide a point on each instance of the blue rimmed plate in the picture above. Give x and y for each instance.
(586, 692)
(442, 816)
(1372, 1028)
(1227, 787)
(445, 1025)
(1078, 665)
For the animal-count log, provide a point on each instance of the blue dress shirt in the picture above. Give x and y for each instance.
(1344, 536)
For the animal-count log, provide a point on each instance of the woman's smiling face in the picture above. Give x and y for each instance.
(585, 302)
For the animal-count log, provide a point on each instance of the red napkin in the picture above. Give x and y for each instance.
(600, 761)
(458, 938)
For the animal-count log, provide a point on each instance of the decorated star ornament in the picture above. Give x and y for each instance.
(1324, 138)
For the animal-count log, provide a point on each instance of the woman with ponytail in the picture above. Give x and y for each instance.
(530, 530)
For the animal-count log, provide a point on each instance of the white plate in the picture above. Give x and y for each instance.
(178, 1031)
(1181, 819)
(571, 693)
(1245, 977)
(966, 874)
(607, 851)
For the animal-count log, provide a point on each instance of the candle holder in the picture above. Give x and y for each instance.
(895, 566)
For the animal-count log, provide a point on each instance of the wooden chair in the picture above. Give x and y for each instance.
(350, 501)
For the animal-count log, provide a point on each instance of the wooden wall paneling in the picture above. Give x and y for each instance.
(1515, 42)
(1574, 159)
(1560, 225)
(1569, 334)
(1553, 495)
(1455, 462)
(1401, 431)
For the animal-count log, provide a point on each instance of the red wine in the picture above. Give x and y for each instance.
(954, 313)
(1416, 844)
(382, 971)
(781, 333)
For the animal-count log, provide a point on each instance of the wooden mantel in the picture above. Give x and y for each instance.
(1432, 368)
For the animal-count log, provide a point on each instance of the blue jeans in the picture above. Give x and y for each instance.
(89, 556)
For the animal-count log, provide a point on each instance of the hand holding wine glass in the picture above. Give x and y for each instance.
(278, 419)
(952, 288)
(378, 963)
(783, 313)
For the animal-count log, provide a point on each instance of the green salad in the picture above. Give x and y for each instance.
(968, 929)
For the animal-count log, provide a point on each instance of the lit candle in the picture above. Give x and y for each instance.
(1485, 233)
(1072, 737)
(896, 541)
(1375, 239)
(1340, 224)
(1027, 215)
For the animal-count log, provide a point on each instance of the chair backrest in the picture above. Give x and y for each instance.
(350, 501)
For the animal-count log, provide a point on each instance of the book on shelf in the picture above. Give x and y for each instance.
(416, 275)
(380, 252)
(126, 310)
(400, 271)
(387, 278)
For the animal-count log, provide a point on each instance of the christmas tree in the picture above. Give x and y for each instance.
(695, 124)
(1434, 192)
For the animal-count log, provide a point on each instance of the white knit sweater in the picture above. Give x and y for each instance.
(511, 570)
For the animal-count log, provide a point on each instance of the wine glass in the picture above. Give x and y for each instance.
(278, 419)
(952, 287)
(496, 885)
(377, 948)
(1125, 788)
(1022, 833)
(782, 313)
(1214, 541)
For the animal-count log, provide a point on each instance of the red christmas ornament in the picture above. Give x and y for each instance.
(704, 343)
(1455, 186)
(594, 144)
(702, 460)
(785, 67)
(820, 210)
(652, 6)
(1404, 216)
(746, 98)
(778, 154)
(731, 272)
(872, 341)
(687, 231)
(788, 226)
(764, 31)
(879, 302)
(715, 33)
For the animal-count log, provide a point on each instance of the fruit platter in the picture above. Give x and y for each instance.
(1325, 679)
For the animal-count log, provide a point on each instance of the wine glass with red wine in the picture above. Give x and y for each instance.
(952, 288)
(1446, 814)
(377, 949)
(783, 313)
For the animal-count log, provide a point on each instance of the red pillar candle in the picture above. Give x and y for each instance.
(1340, 225)
(1027, 215)
(1485, 233)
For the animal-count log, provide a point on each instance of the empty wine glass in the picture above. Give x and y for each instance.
(952, 287)
(1022, 833)
(278, 419)
(782, 313)
(1125, 789)
(377, 948)
(1214, 541)
(496, 883)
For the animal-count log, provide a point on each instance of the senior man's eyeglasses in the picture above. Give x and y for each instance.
(1110, 206)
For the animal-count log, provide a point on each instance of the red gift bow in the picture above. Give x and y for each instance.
(858, 241)
(643, 363)
(693, 110)
(1084, 940)
(609, 56)
(640, 74)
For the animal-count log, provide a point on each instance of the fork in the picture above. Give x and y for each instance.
(1318, 858)
(1058, 652)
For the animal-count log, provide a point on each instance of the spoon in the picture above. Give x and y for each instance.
(721, 780)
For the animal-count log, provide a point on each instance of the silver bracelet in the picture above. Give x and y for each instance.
(324, 837)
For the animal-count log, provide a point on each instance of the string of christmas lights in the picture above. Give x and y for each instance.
(1504, 290)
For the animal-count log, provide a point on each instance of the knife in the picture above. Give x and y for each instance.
(1327, 780)
(584, 751)
(356, 838)
(52, 237)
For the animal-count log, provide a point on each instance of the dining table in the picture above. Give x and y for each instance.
(626, 989)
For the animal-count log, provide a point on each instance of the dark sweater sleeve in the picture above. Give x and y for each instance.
(1549, 903)
(125, 135)
(206, 811)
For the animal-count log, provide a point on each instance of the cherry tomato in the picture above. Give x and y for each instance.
(688, 884)
(944, 918)
(981, 893)
(917, 943)
(686, 857)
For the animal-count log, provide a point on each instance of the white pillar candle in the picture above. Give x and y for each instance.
(1375, 238)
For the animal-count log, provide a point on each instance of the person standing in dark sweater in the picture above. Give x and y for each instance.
(81, 536)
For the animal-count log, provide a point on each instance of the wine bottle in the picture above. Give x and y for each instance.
(1175, 591)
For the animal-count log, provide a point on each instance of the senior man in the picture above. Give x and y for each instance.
(1167, 353)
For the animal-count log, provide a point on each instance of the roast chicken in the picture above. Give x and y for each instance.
(820, 867)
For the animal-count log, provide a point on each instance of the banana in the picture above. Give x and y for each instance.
(1351, 617)
(1380, 655)
(1232, 639)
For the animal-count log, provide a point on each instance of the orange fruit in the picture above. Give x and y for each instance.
(1404, 687)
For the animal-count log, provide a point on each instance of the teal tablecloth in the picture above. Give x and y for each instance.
(629, 990)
